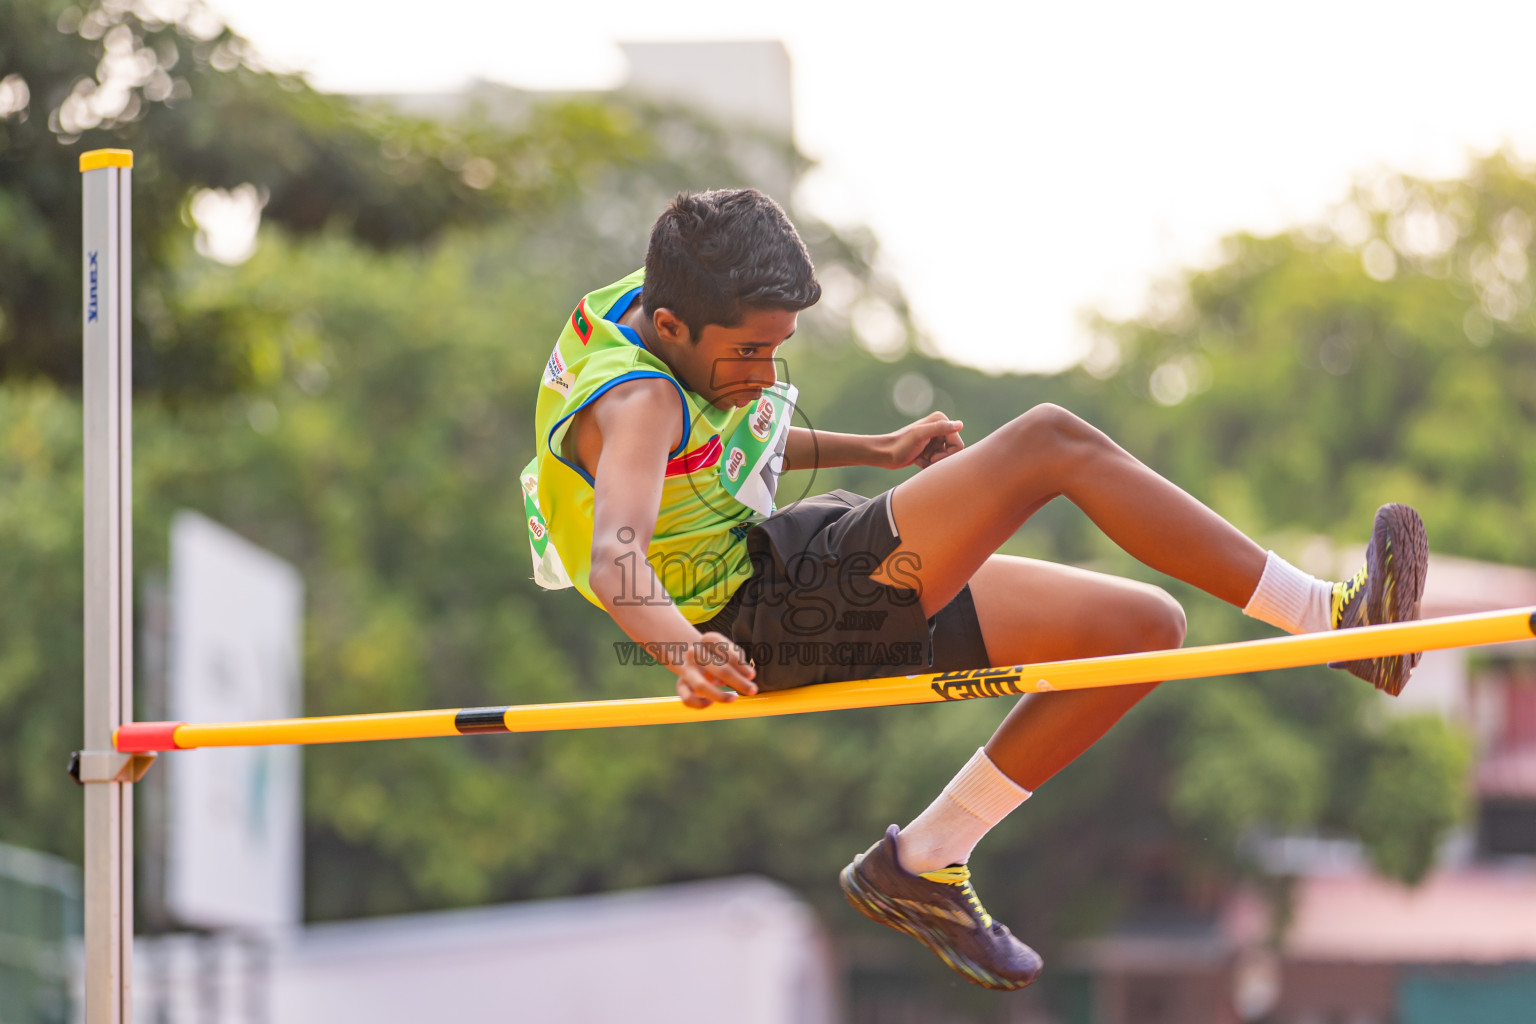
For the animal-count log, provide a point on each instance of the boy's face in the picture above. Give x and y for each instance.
(728, 366)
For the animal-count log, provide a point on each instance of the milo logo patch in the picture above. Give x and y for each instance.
(733, 463)
(762, 419)
(754, 450)
(535, 528)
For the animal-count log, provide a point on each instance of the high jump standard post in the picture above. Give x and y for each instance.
(108, 776)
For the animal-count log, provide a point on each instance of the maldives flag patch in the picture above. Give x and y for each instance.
(581, 322)
(702, 457)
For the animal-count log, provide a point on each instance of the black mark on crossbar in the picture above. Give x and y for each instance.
(481, 720)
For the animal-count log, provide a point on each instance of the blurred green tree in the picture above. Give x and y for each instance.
(1388, 352)
(193, 100)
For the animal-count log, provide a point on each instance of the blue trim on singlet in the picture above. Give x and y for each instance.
(549, 440)
(622, 303)
(619, 308)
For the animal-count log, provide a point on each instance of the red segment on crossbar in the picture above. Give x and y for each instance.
(146, 737)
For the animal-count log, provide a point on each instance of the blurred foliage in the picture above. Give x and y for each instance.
(1243, 765)
(41, 607)
(1423, 756)
(357, 397)
(1389, 351)
(168, 80)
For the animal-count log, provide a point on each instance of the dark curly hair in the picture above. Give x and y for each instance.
(715, 255)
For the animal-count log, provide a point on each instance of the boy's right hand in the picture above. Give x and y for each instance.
(708, 665)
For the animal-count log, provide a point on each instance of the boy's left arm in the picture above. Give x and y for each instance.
(922, 443)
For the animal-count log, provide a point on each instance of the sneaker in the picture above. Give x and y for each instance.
(940, 910)
(1387, 588)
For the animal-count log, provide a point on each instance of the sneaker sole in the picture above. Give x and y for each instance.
(880, 910)
(1402, 562)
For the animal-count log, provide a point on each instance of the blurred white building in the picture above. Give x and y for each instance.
(742, 950)
(744, 84)
(740, 82)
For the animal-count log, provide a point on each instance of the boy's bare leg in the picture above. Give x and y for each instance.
(956, 513)
(1038, 611)
(952, 518)
(1028, 611)
(1033, 611)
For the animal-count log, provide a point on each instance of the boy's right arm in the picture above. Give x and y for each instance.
(636, 426)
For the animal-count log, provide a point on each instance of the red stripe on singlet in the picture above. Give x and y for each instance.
(700, 458)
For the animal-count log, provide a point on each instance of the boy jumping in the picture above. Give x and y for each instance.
(662, 426)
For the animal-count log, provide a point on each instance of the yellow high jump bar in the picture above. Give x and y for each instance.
(929, 688)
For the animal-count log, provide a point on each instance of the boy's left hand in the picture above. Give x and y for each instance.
(928, 440)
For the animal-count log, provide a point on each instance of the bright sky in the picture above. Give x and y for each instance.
(1020, 162)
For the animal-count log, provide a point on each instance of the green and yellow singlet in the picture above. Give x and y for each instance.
(719, 480)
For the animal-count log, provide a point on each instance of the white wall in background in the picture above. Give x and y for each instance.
(739, 950)
(234, 851)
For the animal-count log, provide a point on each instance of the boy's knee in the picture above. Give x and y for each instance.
(1161, 623)
(1048, 427)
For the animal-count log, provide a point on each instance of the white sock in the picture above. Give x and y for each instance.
(1290, 599)
(977, 798)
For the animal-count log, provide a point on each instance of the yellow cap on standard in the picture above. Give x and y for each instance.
(99, 158)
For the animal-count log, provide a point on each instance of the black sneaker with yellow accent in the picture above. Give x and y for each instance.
(940, 910)
(1388, 588)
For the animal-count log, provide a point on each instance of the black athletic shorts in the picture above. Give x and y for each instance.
(811, 614)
